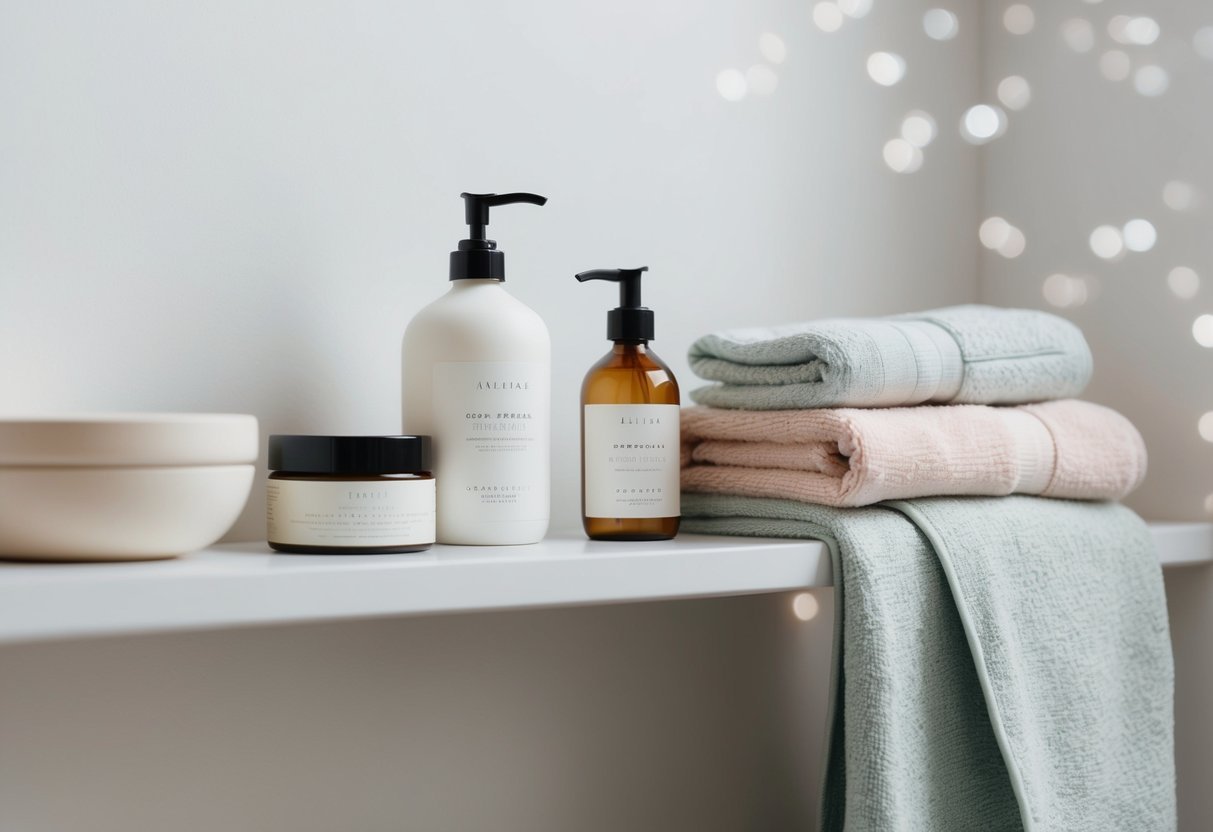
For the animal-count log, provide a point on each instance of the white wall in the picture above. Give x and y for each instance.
(238, 206)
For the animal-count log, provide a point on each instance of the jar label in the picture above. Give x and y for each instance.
(631, 460)
(363, 514)
(491, 440)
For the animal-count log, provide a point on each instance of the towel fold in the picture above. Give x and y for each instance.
(998, 664)
(851, 457)
(962, 354)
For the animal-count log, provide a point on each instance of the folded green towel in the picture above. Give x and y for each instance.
(1000, 663)
(963, 355)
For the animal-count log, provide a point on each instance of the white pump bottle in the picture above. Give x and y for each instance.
(477, 378)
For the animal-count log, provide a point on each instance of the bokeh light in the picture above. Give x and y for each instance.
(1138, 31)
(772, 47)
(1019, 19)
(1205, 426)
(1078, 34)
(1014, 92)
(901, 156)
(1184, 282)
(1180, 196)
(1143, 31)
(1015, 244)
(999, 235)
(1107, 242)
(1115, 65)
(886, 68)
(805, 606)
(993, 232)
(983, 123)
(1151, 80)
(940, 24)
(1202, 42)
(918, 128)
(855, 8)
(1202, 330)
(731, 85)
(1064, 291)
(1139, 235)
(827, 16)
(761, 79)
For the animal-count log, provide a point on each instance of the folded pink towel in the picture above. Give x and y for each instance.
(851, 457)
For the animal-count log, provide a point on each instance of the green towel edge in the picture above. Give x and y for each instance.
(928, 529)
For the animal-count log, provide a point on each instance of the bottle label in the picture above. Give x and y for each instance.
(371, 513)
(631, 460)
(491, 440)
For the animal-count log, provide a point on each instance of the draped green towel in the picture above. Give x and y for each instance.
(960, 355)
(999, 663)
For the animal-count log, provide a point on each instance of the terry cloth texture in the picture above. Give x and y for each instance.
(962, 354)
(852, 457)
(999, 664)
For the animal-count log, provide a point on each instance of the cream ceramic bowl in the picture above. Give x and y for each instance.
(134, 486)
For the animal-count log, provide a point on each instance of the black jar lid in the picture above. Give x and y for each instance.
(350, 454)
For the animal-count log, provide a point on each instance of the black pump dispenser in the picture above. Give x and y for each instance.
(629, 321)
(478, 257)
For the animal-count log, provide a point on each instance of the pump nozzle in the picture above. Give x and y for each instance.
(477, 256)
(476, 208)
(630, 321)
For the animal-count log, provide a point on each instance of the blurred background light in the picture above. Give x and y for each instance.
(827, 16)
(902, 156)
(983, 123)
(761, 79)
(1184, 282)
(1202, 330)
(1151, 80)
(1064, 291)
(918, 128)
(1078, 34)
(772, 47)
(1019, 19)
(731, 85)
(1139, 235)
(1014, 92)
(886, 68)
(940, 24)
(1107, 242)
(855, 8)
(1180, 196)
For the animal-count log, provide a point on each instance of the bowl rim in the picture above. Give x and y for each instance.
(132, 439)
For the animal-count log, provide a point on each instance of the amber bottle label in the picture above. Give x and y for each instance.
(631, 460)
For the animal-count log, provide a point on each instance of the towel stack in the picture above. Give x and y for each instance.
(1000, 662)
(852, 412)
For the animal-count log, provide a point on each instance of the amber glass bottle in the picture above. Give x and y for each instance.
(629, 428)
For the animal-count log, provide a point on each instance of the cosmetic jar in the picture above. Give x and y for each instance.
(350, 494)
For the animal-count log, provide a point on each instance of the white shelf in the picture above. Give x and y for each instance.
(245, 583)
(1183, 543)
